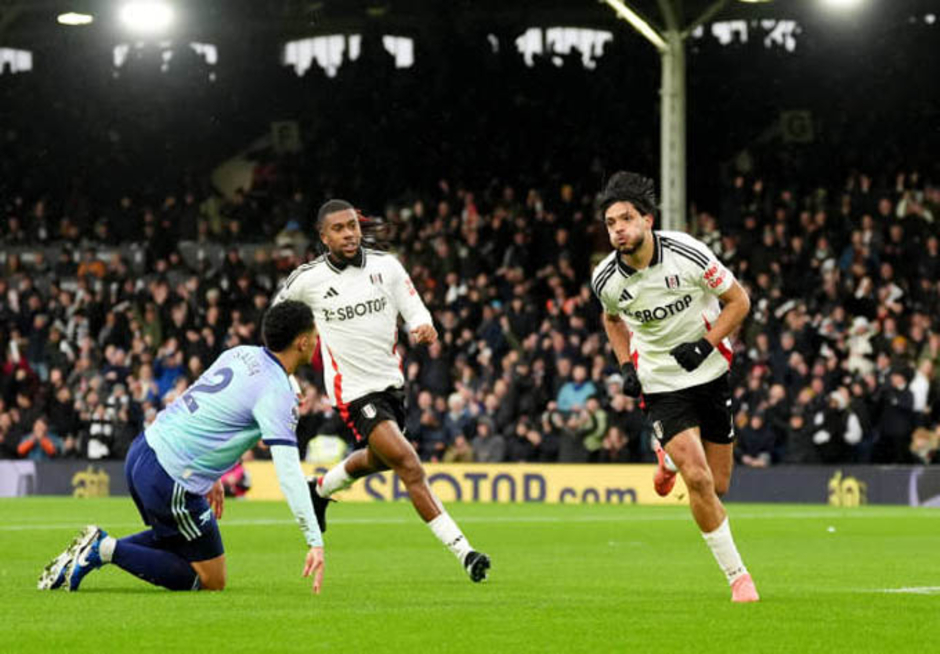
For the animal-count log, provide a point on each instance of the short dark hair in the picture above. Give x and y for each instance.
(331, 206)
(634, 188)
(284, 322)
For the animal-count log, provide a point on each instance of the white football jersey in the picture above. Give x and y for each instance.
(673, 301)
(356, 310)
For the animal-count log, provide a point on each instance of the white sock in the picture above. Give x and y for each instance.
(449, 533)
(106, 549)
(726, 554)
(670, 466)
(335, 479)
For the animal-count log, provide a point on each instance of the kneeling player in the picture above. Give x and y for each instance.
(173, 468)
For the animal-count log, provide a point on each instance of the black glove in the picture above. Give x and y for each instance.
(631, 382)
(691, 355)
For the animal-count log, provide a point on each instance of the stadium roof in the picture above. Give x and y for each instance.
(26, 22)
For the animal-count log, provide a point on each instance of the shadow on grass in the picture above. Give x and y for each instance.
(152, 590)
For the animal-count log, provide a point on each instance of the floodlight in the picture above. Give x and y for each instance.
(150, 17)
(638, 23)
(844, 5)
(74, 18)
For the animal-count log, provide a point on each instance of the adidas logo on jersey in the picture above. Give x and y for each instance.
(330, 293)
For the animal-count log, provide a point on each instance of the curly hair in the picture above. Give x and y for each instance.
(629, 187)
(284, 322)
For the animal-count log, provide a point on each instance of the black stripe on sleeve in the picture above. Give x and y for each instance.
(689, 253)
(280, 441)
(603, 278)
(677, 245)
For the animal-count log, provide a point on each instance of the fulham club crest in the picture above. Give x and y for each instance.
(672, 281)
(369, 411)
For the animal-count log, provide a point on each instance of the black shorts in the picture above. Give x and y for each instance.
(362, 415)
(707, 406)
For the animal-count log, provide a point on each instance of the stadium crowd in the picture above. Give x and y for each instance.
(837, 362)
(110, 304)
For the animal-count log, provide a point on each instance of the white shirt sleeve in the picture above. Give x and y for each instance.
(609, 304)
(715, 279)
(407, 300)
(291, 478)
(287, 292)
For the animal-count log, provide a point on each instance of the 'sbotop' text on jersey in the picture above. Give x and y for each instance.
(672, 301)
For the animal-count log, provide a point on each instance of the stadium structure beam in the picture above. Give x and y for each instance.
(670, 43)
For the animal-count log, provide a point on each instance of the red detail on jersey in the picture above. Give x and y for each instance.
(401, 364)
(316, 360)
(338, 391)
(714, 276)
(410, 287)
(725, 352)
(636, 359)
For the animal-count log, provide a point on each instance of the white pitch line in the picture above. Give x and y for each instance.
(678, 516)
(912, 590)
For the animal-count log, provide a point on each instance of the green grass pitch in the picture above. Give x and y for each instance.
(565, 579)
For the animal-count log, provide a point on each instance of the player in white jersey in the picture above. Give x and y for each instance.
(357, 295)
(669, 307)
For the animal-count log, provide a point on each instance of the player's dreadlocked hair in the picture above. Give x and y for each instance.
(634, 188)
(284, 322)
(374, 229)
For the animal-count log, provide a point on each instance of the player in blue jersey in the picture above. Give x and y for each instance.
(173, 468)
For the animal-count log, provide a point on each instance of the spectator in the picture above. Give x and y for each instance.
(488, 446)
(897, 421)
(756, 443)
(457, 421)
(459, 451)
(800, 446)
(574, 395)
(39, 444)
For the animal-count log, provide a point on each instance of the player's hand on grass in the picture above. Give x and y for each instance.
(424, 334)
(631, 381)
(691, 355)
(313, 566)
(216, 497)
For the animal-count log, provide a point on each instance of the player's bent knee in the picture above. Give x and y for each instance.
(212, 573)
(721, 487)
(212, 582)
(410, 471)
(699, 480)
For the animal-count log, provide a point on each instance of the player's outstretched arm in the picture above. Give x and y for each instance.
(313, 567)
(290, 476)
(619, 337)
(216, 498)
(424, 334)
(735, 306)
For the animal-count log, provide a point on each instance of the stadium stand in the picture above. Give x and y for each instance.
(124, 270)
